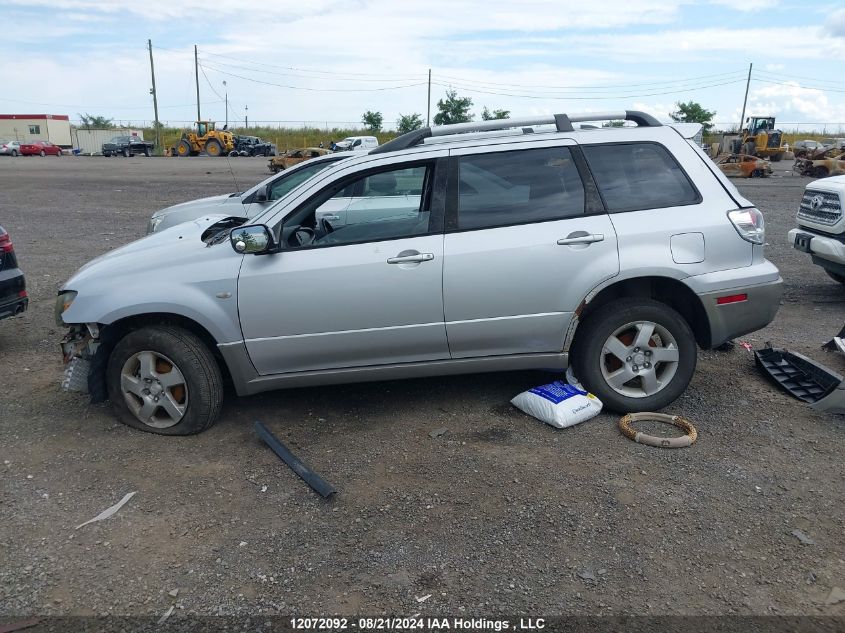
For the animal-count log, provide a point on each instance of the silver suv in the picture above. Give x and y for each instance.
(491, 246)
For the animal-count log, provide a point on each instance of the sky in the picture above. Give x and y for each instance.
(326, 62)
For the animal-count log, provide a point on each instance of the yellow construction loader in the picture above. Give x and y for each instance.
(205, 139)
(761, 139)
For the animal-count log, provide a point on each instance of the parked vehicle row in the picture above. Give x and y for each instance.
(29, 148)
(526, 244)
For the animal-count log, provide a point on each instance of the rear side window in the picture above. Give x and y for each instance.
(518, 187)
(636, 176)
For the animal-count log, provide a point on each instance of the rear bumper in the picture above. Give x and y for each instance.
(13, 299)
(762, 286)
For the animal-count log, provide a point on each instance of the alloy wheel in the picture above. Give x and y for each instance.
(639, 359)
(154, 388)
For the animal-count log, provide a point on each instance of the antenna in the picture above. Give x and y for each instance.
(232, 171)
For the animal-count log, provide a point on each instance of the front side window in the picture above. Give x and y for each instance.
(518, 187)
(388, 204)
(286, 183)
(637, 176)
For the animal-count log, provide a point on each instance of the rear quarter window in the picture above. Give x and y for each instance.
(637, 176)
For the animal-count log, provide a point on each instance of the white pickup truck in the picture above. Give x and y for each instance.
(821, 225)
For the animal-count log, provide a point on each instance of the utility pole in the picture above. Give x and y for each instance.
(428, 101)
(246, 116)
(155, 96)
(227, 103)
(745, 101)
(197, 76)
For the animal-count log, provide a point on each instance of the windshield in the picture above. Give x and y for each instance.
(297, 180)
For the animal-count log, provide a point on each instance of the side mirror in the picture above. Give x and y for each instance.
(262, 195)
(253, 239)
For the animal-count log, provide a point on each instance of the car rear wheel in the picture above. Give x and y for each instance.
(635, 354)
(42, 153)
(125, 152)
(164, 380)
(14, 152)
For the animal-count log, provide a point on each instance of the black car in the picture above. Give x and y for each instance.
(252, 146)
(127, 146)
(13, 298)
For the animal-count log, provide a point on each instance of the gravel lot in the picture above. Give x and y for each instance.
(501, 515)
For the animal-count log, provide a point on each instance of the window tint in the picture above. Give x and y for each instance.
(285, 184)
(518, 187)
(390, 204)
(634, 176)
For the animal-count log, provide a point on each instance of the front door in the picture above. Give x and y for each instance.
(524, 245)
(363, 294)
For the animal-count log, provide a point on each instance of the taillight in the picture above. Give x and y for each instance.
(6, 243)
(749, 224)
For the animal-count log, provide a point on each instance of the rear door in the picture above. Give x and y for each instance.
(527, 239)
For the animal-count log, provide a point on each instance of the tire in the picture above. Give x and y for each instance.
(14, 153)
(234, 154)
(125, 152)
(147, 152)
(621, 320)
(776, 158)
(196, 393)
(183, 148)
(820, 172)
(213, 148)
(836, 276)
(42, 153)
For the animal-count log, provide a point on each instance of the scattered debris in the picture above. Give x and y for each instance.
(173, 593)
(423, 598)
(837, 343)
(746, 346)
(558, 404)
(166, 615)
(438, 433)
(803, 378)
(835, 596)
(317, 483)
(587, 575)
(805, 540)
(105, 514)
(691, 434)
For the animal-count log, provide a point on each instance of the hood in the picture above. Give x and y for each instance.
(210, 201)
(163, 251)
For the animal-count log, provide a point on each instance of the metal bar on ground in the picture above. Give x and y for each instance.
(317, 483)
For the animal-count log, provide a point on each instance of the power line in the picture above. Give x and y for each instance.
(800, 78)
(588, 98)
(549, 88)
(270, 83)
(283, 74)
(96, 107)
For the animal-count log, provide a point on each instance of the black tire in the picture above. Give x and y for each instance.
(125, 152)
(776, 158)
(214, 148)
(193, 359)
(147, 152)
(599, 326)
(184, 148)
(14, 152)
(836, 276)
(42, 153)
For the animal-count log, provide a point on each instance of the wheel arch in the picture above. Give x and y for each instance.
(111, 333)
(667, 290)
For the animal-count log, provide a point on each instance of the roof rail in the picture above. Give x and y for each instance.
(563, 123)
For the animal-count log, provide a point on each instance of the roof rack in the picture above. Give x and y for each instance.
(563, 123)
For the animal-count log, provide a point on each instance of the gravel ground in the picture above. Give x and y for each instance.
(501, 515)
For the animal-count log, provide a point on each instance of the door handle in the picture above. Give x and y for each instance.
(581, 239)
(408, 259)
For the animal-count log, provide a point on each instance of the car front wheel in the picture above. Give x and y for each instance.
(635, 354)
(164, 380)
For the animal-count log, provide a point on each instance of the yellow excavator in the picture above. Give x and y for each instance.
(206, 139)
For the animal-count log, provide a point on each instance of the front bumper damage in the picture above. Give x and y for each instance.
(79, 350)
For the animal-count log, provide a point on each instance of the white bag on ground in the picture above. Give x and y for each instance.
(558, 404)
